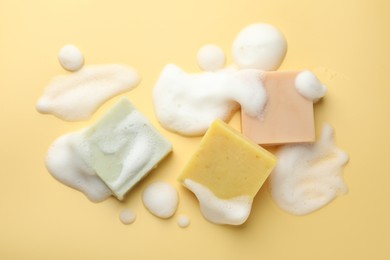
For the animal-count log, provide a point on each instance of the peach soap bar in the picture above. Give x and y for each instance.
(288, 117)
(225, 173)
(122, 147)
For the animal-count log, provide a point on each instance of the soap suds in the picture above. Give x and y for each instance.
(309, 176)
(138, 157)
(306, 178)
(131, 135)
(161, 199)
(68, 168)
(78, 95)
(308, 85)
(234, 211)
(71, 58)
(112, 155)
(188, 103)
(259, 46)
(127, 216)
(122, 148)
(211, 57)
(183, 221)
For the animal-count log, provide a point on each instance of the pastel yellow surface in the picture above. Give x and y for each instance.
(228, 164)
(346, 43)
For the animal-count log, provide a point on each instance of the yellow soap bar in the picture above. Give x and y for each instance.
(228, 164)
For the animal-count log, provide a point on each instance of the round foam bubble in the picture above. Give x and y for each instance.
(127, 216)
(308, 85)
(183, 221)
(161, 199)
(71, 58)
(259, 46)
(211, 57)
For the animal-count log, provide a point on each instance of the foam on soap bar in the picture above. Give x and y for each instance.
(122, 147)
(225, 174)
(308, 85)
(288, 116)
(187, 103)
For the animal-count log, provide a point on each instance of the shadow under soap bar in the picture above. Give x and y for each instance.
(288, 117)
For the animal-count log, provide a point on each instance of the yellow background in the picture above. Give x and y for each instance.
(346, 43)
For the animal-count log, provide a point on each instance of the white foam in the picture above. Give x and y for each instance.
(161, 199)
(68, 168)
(123, 147)
(183, 221)
(308, 85)
(77, 96)
(127, 216)
(307, 177)
(259, 46)
(211, 57)
(71, 58)
(188, 103)
(140, 152)
(234, 211)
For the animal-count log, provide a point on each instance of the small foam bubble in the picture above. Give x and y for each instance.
(127, 216)
(161, 199)
(211, 57)
(308, 85)
(183, 221)
(71, 58)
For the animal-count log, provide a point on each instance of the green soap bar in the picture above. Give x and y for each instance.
(122, 147)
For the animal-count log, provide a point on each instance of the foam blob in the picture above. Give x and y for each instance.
(161, 199)
(68, 168)
(188, 103)
(211, 57)
(78, 95)
(309, 176)
(127, 216)
(71, 58)
(183, 221)
(308, 85)
(259, 46)
(234, 211)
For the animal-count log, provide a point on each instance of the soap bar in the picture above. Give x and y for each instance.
(226, 172)
(288, 117)
(122, 147)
